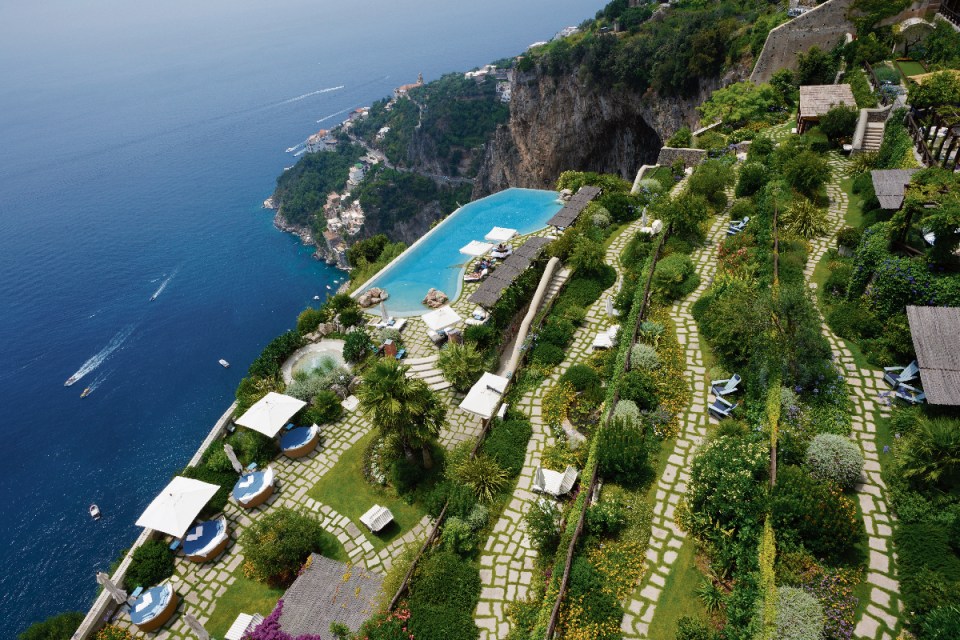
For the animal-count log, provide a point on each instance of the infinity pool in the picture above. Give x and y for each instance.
(435, 260)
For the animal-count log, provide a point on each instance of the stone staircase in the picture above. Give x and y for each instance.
(873, 136)
(426, 369)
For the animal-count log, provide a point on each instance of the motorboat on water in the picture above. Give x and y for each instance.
(94, 512)
(316, 297)
(71, 380)
(86, 392)
(224, 363)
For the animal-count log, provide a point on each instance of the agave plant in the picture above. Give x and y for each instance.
(806, 219)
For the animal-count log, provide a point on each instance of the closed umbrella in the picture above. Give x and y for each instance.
(196, 627)
(232, 457)
(383, 312)
(119, 595)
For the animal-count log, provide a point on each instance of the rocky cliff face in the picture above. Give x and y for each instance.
(408, 229)
(558, 124)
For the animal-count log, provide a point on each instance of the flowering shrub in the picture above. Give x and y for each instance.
(270, 629)
(387, 625)
(627, 411)
(113, 632)
(835, 458)
(556, 402)
(799, 615)
(643, 357)
(833, 588)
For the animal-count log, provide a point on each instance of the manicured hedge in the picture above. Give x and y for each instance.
(443, 595)
(507, 444)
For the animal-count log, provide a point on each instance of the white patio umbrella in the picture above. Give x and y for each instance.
(500, 234)
(177, 506)
(485, 395)
(232, 457)
(476, 248)
(119, 595)
(441, 318)
(196, 627)
(270, 413)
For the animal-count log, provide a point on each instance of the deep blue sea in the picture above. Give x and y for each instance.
(138, 141)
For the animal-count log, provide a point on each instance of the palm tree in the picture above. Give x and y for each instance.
(932, 453)
(461, 364)
(402, 407)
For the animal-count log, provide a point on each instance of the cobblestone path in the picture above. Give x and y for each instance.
(666, 539)
(507, 562)
(868, 392)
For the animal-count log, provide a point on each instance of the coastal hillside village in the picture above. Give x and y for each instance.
(719, 401)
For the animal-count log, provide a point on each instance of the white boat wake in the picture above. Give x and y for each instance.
(333, 115)
(163, 285)
(98, 359)
(312, 93)
(295, 147)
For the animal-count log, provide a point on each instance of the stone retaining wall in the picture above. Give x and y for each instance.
(690, 157)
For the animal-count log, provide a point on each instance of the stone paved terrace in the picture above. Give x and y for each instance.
(666, 538)
(507, 563)
(870, 397)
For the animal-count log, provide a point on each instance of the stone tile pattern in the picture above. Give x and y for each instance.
(507, 562)
(666, 538)
(870, 396)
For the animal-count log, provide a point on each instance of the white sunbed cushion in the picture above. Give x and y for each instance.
(198, 532)
(145, 602)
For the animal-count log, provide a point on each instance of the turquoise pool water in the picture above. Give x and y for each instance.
(435, 260)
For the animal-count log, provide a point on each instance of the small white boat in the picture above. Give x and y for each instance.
(224, 363)
(94, 512)
(328, 286)
(71, 380)
(316, 297)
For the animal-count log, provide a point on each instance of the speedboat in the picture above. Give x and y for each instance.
(224, 363)
(86, 392)
(94, 512)
(71, 380)
(316, 297)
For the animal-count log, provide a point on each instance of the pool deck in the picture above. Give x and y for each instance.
(323, 346)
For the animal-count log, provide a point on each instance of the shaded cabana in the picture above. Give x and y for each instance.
(206, 540)
(818, 99)
(298, 442)
(253, 489)
(936, 340)
(890, 185)
(485, 395)
(154, 607)
(270, 413)
(328, 591)
(574, 207)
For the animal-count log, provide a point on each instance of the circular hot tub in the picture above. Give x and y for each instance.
(312, 356)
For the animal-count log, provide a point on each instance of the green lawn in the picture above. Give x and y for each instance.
(910, 67)
(345, 489)
(243, 596)
(679, 595)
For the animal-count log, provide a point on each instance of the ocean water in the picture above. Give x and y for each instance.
(436, 261)
(138, 143)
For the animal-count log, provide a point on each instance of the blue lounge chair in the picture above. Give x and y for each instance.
(725, 387)
(721, 409)
(737, 226)
(897, 375)
(401, 354)
(910, 395)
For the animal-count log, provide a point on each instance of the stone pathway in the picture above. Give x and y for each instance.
(868, 393)
(507, 563)
(666, 538)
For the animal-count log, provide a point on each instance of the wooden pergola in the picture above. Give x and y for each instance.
(936, 340)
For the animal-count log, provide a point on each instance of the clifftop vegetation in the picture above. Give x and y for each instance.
(666, 50)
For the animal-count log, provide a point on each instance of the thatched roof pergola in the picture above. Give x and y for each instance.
(490, 290)
(574, 207)
(936, 341)
(890, 185)
(817, 99)
(329, 591)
